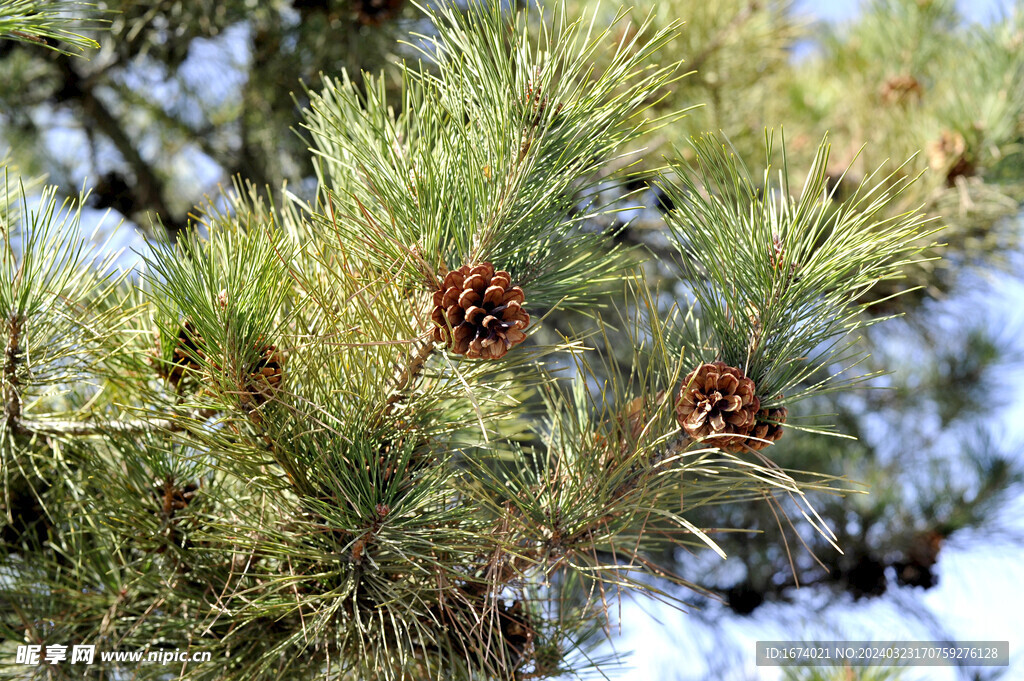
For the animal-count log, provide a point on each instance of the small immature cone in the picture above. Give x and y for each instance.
(718, 402)
(174, 497)
(478, 313)
(768, 427)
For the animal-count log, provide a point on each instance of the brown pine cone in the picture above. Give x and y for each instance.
(265, 376)
(478, 313)
(375, 12)
(768, 427)
(172, 497)
(184, 356)
(949, 154)
(718, 402)
(901, 89)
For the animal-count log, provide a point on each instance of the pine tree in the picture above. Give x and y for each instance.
(332, 438)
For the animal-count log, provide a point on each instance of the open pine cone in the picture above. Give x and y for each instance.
(184, 356)
(768, 427)
(478, 313)
(718, 402)
(265, 376)
(949, 154)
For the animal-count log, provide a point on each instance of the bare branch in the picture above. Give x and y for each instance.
(12, 397)
(86, 428)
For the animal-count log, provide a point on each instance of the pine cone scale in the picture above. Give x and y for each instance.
(475, 283)
(454, 279)
(455, 316)
(727, 402)
(494, 295)
(728, 384)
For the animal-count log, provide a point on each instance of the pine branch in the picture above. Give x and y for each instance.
(96, 428)
(779, 275)
(45, 22)
(470, 195)
(13, 356)
(364, 496)
(12, 359)
(406, 372)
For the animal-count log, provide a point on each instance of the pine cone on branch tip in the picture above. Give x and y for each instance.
(172, 496)
(184, 356)
(265, 376)
(949, 154)
(719, 403)
(478, 313)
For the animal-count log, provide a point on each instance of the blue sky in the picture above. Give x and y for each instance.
(976, 10)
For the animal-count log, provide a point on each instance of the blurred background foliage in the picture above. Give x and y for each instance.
(183, 95)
